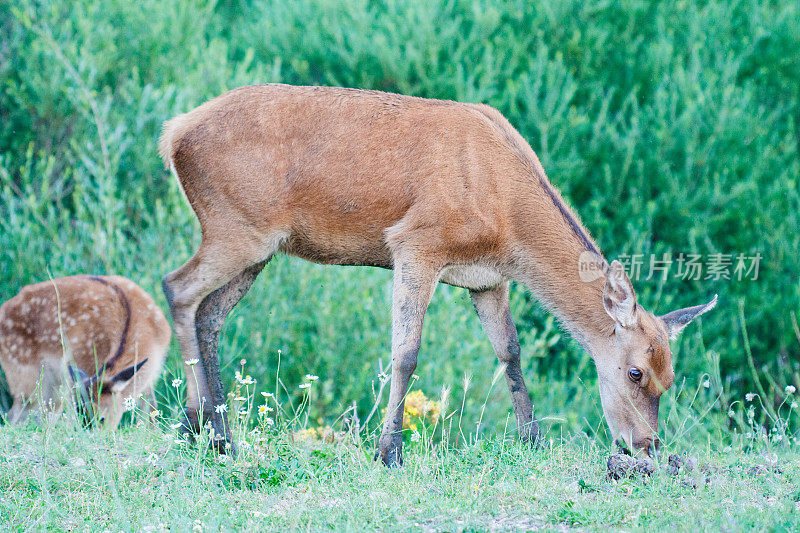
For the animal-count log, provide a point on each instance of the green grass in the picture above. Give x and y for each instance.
(138, 479)
(55, 475)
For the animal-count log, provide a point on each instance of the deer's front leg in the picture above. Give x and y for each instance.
(495, 315)
(412, 290)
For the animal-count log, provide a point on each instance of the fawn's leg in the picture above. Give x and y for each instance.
(19, 411)
(146, 404)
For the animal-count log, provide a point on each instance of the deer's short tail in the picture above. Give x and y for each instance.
(165, 146)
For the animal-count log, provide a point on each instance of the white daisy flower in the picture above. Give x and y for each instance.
(177, 383)
(192, 362)
(221, 408)
(130, 403)
(790, 389)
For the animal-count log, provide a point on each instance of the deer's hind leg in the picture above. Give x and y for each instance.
(200, 295)
(209, 320)
(495, 316)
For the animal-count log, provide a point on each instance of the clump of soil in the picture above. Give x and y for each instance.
(761, 470)
(621, 466)
(683, 467)
(677, 465)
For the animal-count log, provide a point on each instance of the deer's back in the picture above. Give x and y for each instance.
(336, 168)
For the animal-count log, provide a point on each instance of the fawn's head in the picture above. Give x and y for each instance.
(95, 395)
(634, 361)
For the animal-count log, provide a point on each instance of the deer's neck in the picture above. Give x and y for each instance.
(554, 247)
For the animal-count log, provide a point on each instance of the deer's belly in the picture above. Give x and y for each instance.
(474, 277)
(354, 252)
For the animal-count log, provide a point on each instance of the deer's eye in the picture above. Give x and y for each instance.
(635, 374)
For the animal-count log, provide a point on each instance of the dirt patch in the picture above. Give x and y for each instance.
(677, 465)
(622, 466)
(684, 468)
(762, 470)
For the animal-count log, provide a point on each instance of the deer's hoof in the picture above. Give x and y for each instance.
(192, 421)
(390, 451)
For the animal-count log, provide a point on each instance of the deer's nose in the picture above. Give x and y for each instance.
(648, 444)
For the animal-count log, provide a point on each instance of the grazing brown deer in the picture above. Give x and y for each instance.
(437, 191)
(106, 330)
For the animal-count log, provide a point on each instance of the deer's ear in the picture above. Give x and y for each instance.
(118, 381)
(618, 296)
(82, 386)
(676, 320)
(78, 376)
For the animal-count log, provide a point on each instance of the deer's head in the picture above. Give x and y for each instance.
(634, 362)
(95, 396)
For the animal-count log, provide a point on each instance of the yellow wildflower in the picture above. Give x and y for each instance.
(419, 407)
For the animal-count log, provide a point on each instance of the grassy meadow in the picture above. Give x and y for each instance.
(138, 480)
(672, 128)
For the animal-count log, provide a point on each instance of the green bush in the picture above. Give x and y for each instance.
(671, 127)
